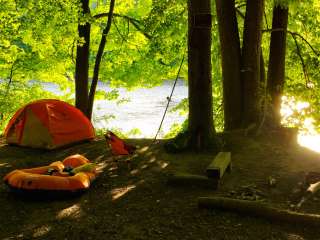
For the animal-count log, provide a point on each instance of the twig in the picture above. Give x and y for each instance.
(126, 40)
(120, 34)
(72, 52)
(240, 13)
(304, 67)
(292, 34)
(133, 21)
(9, 83)
(265, 18)
(10, 79)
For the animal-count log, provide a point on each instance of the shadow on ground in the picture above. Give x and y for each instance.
(130, 198)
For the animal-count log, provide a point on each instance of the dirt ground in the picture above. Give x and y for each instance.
(133, 201)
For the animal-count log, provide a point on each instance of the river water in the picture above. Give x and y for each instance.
(143, 111)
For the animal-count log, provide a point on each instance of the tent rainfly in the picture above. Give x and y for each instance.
(48, 124)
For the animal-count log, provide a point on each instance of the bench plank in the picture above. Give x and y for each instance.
(219, 165)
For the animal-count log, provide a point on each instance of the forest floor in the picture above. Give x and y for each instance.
(133, 201)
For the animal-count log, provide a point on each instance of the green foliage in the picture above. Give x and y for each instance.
(17, 95)
(119, 132)
(182, 107)
(304, 20)
(282, 3)
(144, 47)
(176, 129)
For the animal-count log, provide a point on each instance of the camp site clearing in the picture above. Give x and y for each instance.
(130, 199)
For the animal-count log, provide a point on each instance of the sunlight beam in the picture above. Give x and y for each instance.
(71, 212)
(120, 192)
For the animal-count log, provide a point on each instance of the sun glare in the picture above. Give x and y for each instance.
(290, 111)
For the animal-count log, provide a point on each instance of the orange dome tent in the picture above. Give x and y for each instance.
(48, 124)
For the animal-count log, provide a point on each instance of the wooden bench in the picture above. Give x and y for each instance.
(219, 165)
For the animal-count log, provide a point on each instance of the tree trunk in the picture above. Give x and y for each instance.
(201, 127)
(251, 63)
(98, 60)
(276, 68)
(230, 56)
(82, 60)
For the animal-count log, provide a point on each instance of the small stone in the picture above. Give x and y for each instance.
(272, 181)
(292, 206)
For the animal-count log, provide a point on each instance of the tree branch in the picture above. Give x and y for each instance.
(304, 67)
(293, 34)
(240, 5)
(10, 78)
(265, 18)
(8, 86)
(135, 22)
(240, 13)
(126, 40)
(120, 34)
(72, 52)
(98, 59)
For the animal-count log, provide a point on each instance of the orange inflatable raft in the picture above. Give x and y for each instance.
(53, 178)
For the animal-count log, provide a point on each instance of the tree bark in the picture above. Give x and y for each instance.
(98, 60)
(230, 58)
(251, 63)
(201, 127)
(276, 68)
(82, 60)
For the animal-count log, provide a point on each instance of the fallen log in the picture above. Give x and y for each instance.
(219, 165)
(258, 209)
(187, 180)
(312, 189)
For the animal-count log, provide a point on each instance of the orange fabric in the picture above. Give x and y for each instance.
(118, 146)
(35, 133)
(65, 123)
(28, 181)
(12, 121)
(39, 108)
(14, 129)
(68, 124)
(36, 178)
(75, 161)
(19, 126)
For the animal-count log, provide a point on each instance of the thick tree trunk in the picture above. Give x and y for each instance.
(82, 60)
(98, 60)
(250, 69)
(201, 127)
(276, 68)
(230, 56)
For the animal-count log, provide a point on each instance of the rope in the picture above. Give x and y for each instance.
(169, 99)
